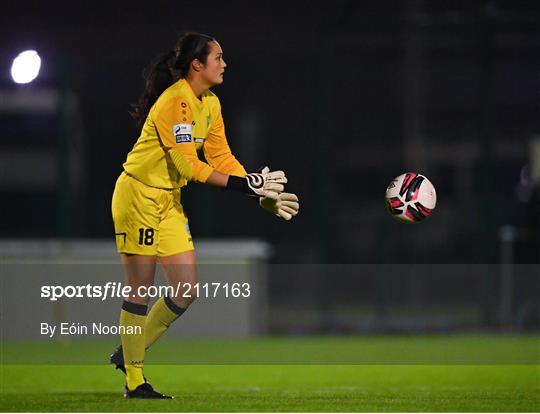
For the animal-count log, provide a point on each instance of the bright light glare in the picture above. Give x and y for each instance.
(25, 67)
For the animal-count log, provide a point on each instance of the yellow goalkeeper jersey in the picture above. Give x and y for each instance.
(180, 120)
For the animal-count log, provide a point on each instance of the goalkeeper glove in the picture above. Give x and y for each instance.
(266, 183)
(285, 206)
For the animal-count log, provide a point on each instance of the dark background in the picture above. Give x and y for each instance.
(343, 96)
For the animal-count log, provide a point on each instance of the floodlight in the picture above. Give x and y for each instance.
(25, 67)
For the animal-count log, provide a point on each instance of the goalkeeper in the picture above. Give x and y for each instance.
(178, 115)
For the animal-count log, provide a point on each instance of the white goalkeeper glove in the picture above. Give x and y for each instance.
(266, 183)
(285, 206)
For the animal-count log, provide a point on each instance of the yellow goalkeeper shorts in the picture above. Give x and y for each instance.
(147, 220)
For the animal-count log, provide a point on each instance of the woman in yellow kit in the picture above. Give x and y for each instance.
(178, 115)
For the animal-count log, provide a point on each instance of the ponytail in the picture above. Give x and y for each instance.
(158, 77)
(167, 68)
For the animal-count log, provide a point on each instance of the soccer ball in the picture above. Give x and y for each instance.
(410, 197)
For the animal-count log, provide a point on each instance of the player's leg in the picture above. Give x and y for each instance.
(180, 271)
(136, 216)
(177, 256)
(138, 275)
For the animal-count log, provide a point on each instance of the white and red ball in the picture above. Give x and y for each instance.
(411, 197)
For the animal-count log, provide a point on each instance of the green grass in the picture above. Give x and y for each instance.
(277, 388)
(265, 388)
(433, 349)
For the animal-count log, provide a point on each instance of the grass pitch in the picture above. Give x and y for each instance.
(270, 387)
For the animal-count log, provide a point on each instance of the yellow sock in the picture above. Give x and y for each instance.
(163, 313)
(133, 318)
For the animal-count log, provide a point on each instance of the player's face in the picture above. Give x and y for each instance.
(215, 66)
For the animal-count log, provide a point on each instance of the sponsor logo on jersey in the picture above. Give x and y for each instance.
(198, 140)
(182, 132)
(180, 138)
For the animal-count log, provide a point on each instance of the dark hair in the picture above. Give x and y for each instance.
(166, 68)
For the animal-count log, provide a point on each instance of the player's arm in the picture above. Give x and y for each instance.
(173, 122)
(217, 151)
